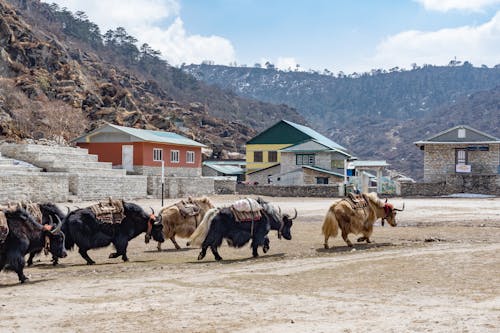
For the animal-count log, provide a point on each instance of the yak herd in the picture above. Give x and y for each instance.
(30, 229)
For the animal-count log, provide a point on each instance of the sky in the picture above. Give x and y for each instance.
(337, 35)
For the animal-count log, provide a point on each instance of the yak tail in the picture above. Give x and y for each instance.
(330, 226)
(201, 232)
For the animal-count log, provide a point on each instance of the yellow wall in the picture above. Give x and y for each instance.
(264, 148)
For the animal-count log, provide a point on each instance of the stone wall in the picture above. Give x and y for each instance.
(96, 187)
(224, 185)
(289, 191)
(479, 184)
(179, 187)
(39, 187)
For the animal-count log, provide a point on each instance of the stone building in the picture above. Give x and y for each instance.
(458, 160)
(460, 150)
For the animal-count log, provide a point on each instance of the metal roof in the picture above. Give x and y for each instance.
(146, 135)
(315, 135)
(226, 169)
(367, 164)
(449, 136)
(297, 149)
(330, 172)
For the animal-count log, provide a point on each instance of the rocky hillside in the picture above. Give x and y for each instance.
(377, 115)
(59, 77)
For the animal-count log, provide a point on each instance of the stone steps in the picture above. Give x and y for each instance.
(60, 159)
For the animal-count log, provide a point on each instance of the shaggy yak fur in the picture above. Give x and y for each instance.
(174, 223)
(83, 229)
(26, 236)
(357, 220)
(219, 224)
(50, 213)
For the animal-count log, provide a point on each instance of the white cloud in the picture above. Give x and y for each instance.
(157, 23)
(477, 44)
(446, 5)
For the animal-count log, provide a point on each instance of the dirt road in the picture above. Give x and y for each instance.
(438, 271)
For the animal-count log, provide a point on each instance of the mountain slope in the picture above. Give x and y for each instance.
(377, 115)
(55, 64)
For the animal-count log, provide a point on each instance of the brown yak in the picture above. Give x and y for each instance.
(357, 220)
(183, 217)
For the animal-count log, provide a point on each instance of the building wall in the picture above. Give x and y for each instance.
(321, 159)
(261, 176)
(143, 156)
(180, 187)
(439, 161)
(311, 175)
(265, 148)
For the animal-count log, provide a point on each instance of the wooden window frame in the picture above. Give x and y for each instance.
(274, 154)
(259, 160)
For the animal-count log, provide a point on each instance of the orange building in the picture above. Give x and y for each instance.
(143, 151)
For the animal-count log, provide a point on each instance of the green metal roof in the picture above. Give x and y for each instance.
(146, 135)
(320, 147)
(287, 132)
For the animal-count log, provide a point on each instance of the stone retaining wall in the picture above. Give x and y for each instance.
(479, 184)
(39, 187)
(96, 187)
(289, 191)
(180, 187)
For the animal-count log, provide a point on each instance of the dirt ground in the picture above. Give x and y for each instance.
(437, 271)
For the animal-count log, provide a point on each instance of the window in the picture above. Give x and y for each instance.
(461, 132)
(272, 156)
(321, 180)
(304, 159)
(174, 156)
(461, 156)
(157, 154)
(257, 156)
(337, 164)
(190, 157)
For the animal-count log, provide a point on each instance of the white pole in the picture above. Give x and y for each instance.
(162, 180)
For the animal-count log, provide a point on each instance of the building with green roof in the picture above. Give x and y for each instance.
(291, 154)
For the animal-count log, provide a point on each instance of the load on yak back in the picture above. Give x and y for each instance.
(244, 220)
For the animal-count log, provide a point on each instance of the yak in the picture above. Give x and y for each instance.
(50, 212)
(83, 229)
(341, 214)
(26, 236)
(220, 223)
(177, 222)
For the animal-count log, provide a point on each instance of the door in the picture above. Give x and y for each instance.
(128, 157)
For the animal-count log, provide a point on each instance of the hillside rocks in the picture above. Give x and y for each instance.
(44, 68)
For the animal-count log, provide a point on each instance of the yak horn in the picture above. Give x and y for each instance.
(58, 226)
(152, 210)
(400, 210)
(293, 218)
(159, 220)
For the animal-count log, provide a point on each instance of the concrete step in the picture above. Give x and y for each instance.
(43, 148)
(97, 171)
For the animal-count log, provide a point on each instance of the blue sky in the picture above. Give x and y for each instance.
(338, 35)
